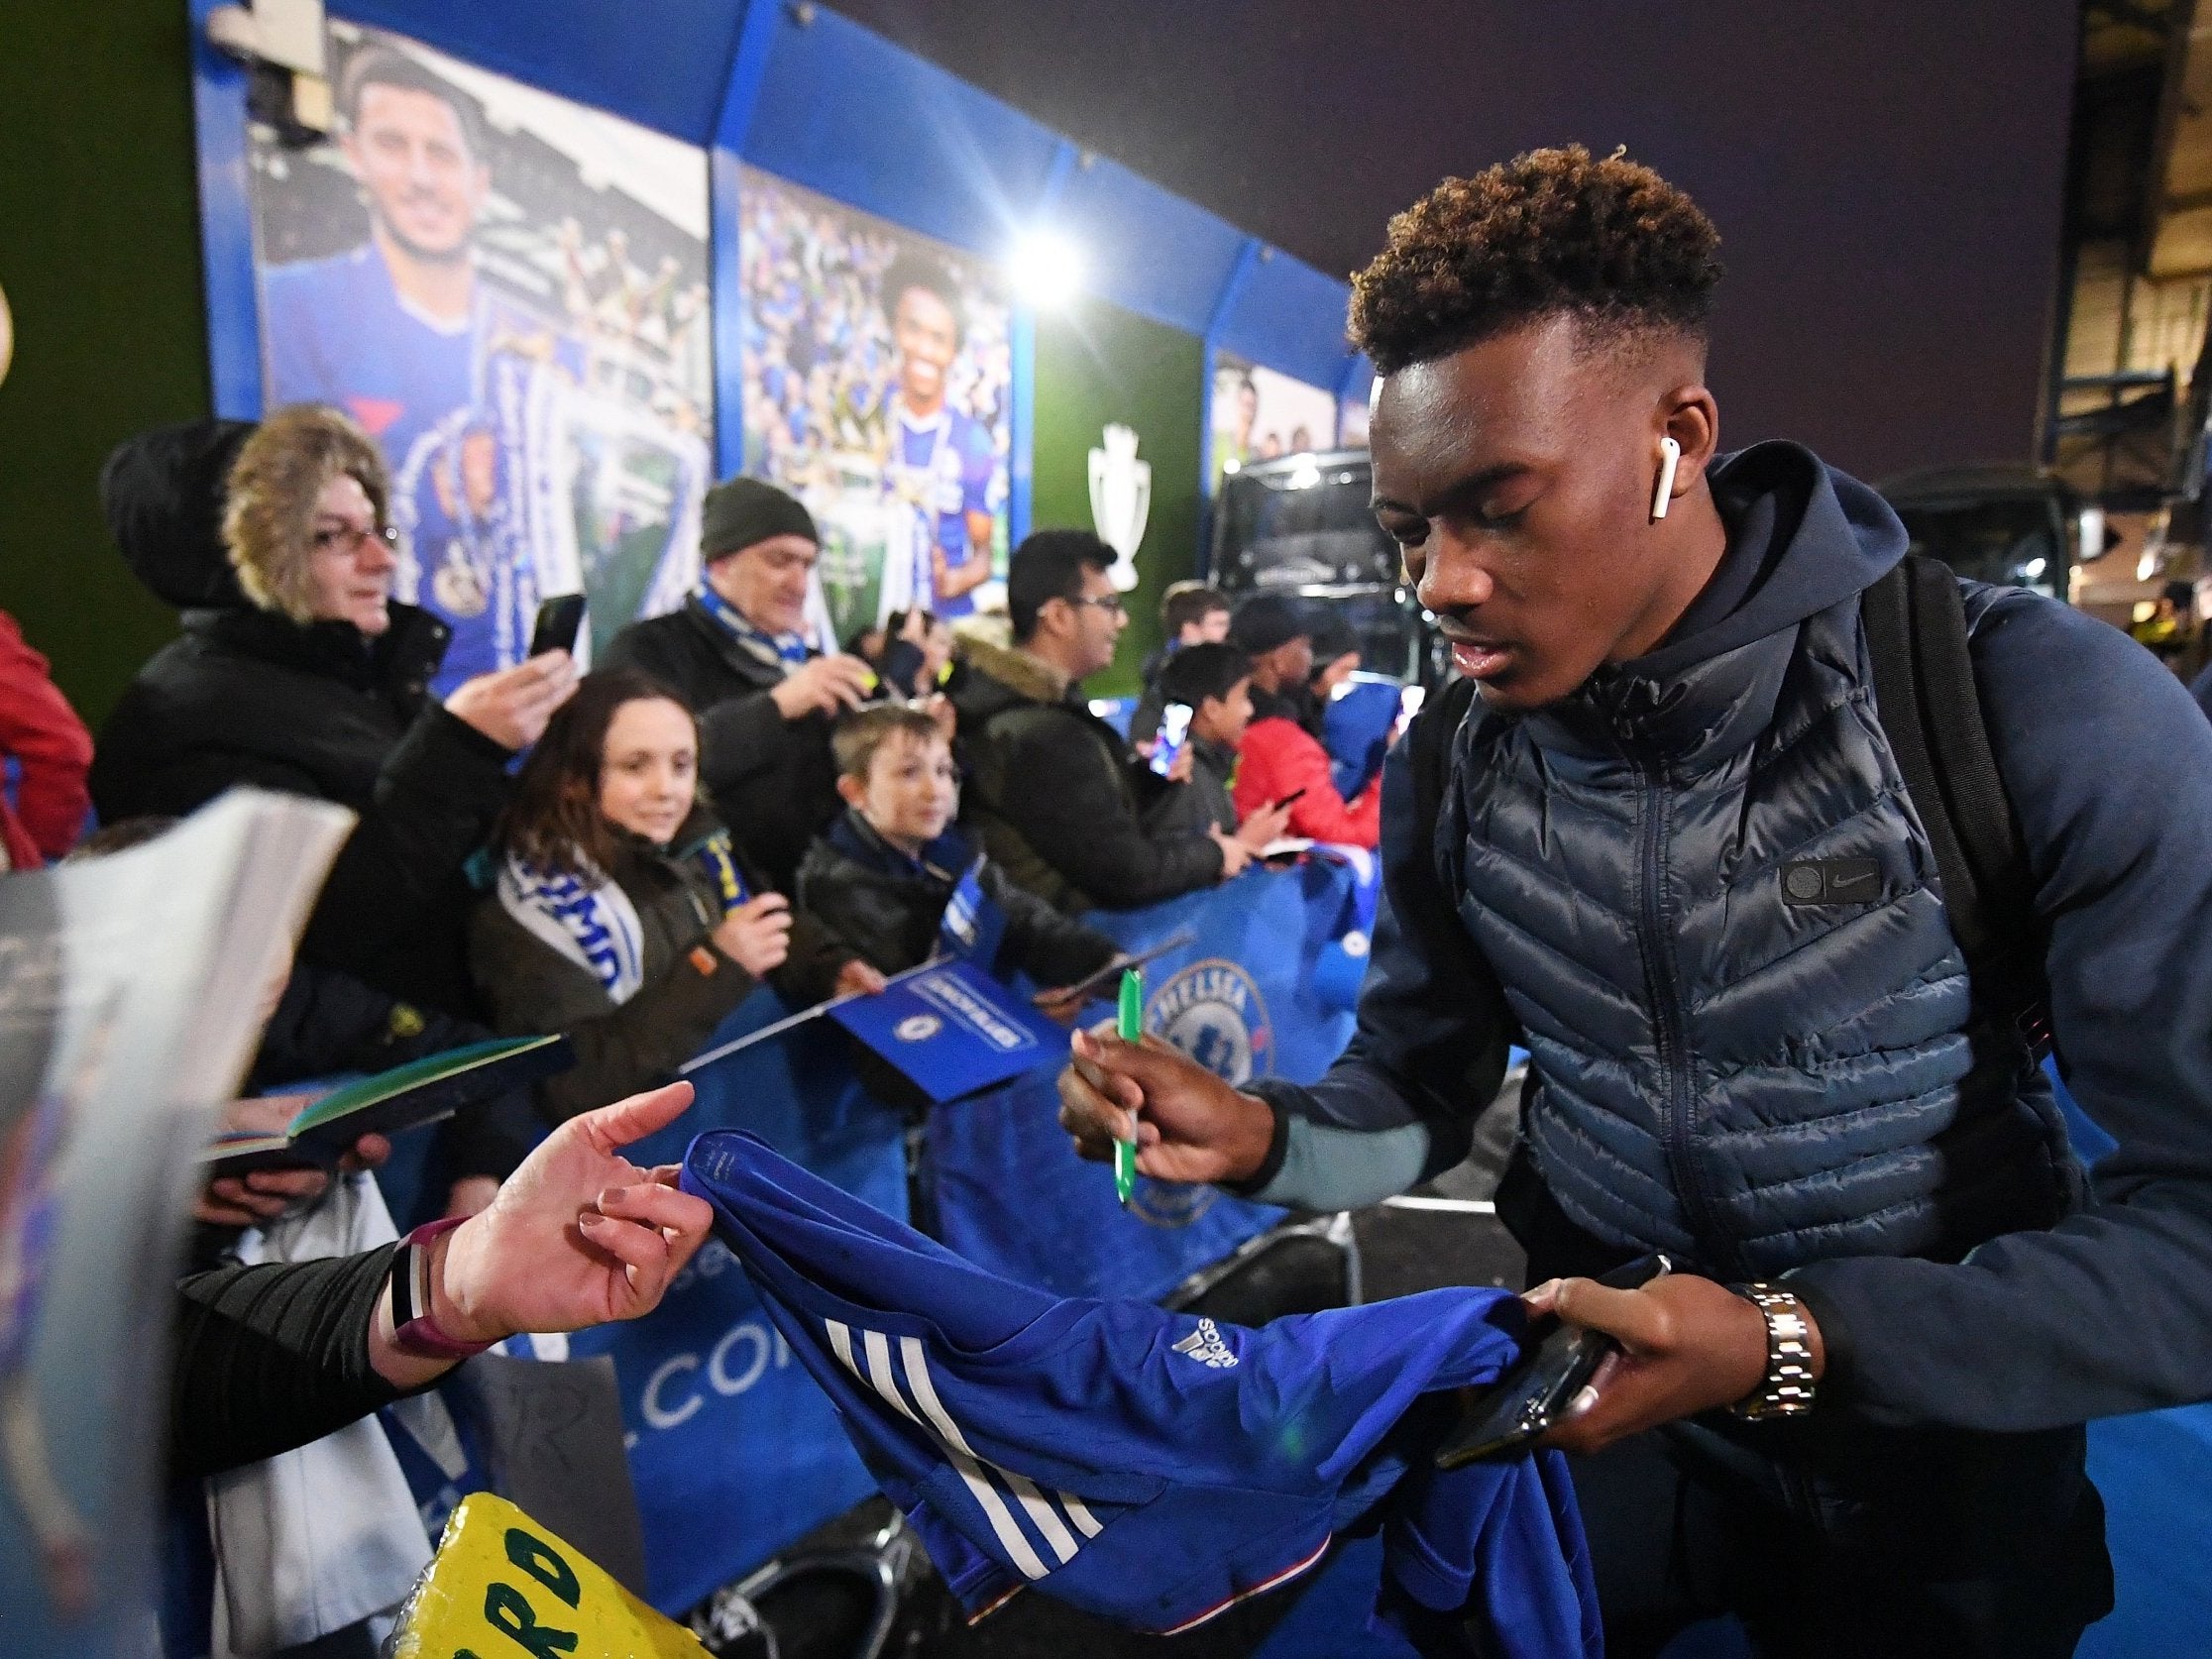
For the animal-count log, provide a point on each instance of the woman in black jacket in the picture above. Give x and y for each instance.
(622, 916)
(298, 672)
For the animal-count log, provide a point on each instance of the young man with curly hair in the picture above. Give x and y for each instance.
(1889, 1260)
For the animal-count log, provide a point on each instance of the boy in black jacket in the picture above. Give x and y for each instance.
(884, 873)
(1214, 682)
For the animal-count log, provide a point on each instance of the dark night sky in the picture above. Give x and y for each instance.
(1886, 177)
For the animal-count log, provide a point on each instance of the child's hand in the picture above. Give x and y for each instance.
(756, 936)
(859, 979)
(1262, 827)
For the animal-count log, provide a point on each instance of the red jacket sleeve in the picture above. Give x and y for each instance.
(1279, 756)
(43, 734)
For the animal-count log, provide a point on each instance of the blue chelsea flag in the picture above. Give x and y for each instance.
(974, 924)
(952, 1030)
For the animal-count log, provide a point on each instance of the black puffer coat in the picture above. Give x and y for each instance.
(251, 696)
(891, 906)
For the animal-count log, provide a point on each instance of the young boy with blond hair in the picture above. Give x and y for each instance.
(883, 875)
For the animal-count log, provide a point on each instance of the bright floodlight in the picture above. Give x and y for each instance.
(1046, 268)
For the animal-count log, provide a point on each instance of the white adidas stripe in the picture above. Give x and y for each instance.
(924, 1390)
(1039, 1513)
(1085, 1522)
(964, 1462)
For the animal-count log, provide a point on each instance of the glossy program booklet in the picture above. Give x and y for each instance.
(406, 1097)
(133, 989)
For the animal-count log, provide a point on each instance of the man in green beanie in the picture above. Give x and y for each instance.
(741, 652)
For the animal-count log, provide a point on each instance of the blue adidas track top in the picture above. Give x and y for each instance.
(1148, 1466)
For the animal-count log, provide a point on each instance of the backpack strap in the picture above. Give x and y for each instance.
(1930, 704)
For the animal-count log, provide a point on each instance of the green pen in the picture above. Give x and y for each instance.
(1130, 1028)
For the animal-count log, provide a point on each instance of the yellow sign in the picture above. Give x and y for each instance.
(503, 1587)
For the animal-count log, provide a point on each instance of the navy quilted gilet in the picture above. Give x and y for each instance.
(1744, 1081)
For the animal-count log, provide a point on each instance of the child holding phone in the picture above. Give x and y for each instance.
(1214, 682)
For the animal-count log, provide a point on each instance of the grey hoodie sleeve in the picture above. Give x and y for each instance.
(2109, 766)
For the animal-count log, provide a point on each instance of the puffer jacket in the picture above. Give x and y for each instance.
(1056, 797)
(690, 984)
(890, 906)
(1770, 1080)
(251, 696)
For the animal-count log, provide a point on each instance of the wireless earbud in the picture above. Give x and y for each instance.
(1670, 457)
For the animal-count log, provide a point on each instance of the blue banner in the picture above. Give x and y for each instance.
(733, 1450)
(1009, 1193)
(952, 1030)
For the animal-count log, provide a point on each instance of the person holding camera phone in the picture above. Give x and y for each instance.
(1055, 795)
(1212, 685)
(742, 652)
(622, 916)
(1667, 844)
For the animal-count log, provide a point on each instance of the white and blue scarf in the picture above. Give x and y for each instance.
(589, 920)
(786, 651)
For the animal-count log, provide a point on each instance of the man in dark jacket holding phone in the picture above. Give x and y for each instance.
(741, 653)
(1899, 1296)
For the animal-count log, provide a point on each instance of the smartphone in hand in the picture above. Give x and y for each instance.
(1175, 732)
(559, 620)
(1557, 1361)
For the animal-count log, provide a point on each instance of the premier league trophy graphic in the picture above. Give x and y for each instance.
(1121, 501)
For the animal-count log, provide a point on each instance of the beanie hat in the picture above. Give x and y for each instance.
(1266, 620)
(741, 512)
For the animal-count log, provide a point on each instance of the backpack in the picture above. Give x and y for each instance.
(1931, 713)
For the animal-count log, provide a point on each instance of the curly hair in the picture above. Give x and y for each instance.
(911, 270)
(269, 513)
(1550, 231)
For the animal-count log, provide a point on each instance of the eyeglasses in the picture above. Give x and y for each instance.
(1109, 602)
(348, 538)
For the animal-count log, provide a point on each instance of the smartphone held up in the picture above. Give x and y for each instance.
(559, 620)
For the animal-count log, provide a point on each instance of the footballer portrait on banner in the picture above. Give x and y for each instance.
(509, 293)
(1262, 415)
(877, 372)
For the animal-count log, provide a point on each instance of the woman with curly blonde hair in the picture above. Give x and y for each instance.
(299, 671)
(305, 523)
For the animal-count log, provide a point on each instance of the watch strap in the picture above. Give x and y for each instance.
(1786, 1390)
(414, 1327)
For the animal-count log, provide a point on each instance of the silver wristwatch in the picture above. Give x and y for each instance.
(1787, 1388)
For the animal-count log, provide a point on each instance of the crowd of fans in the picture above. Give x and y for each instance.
(621, 856)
